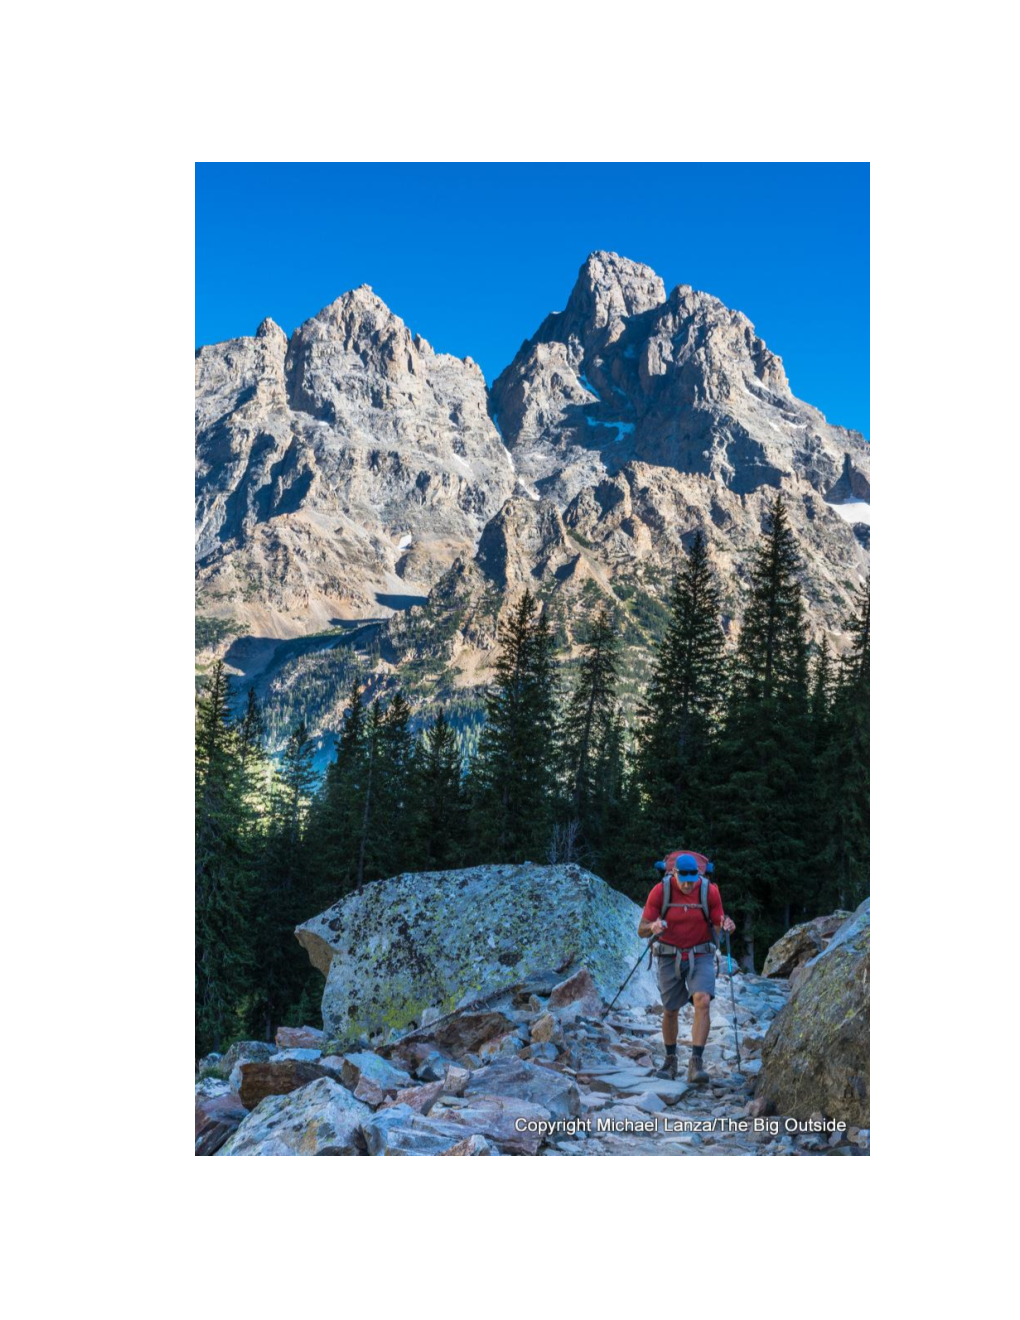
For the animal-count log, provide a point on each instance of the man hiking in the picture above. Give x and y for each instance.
(685, 953)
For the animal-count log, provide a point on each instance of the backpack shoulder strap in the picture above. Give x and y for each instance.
(667, 890)
(705, 882)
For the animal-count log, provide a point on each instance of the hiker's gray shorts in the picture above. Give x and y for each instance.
(677, 990)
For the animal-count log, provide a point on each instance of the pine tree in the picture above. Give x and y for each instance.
(856, 668)
(396, 797)
(592, 748)
(214, 754)
(618, 843)
(681, 709)
(822, 680)
(334, 827)
(845, 770)
(439, 800)
(764, 798)
(225, 882)
(295, 782)
(251, 733)
(367, 799)
(254, 777)
(771, 658)
(287, 891)
(513, 778)
(387, 791)
(822, 690)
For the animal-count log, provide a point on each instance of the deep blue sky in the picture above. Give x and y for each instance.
(474, 256)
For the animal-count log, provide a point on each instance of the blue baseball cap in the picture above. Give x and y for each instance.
(685, 862)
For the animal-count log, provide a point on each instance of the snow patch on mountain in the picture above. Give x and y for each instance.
(621, 428)
(854, 511)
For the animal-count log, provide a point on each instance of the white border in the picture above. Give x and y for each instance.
(99, 332)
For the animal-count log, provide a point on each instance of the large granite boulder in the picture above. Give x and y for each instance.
(434, 940)
(816, 1057)
(802, 943)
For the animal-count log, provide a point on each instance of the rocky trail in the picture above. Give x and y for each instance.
(543, 1069)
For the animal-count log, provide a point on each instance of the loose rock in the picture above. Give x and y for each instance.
(279, 1075)
(527, 1081)
(473, 1145)
(216, 1117)
(544, 1028)
(371, 1078)
(578, 993)
(300, 1038)
(322, 1118)
(243, 1051)
(456, 1080)
(468, 1031)
(419, 1098)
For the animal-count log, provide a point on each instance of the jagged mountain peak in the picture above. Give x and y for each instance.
(342, 470)
(696, 327)
(625, 373)
(362, 322)
(610, 288)
(356, 313)
(268, 329)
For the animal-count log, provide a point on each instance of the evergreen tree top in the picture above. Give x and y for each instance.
(771, 656)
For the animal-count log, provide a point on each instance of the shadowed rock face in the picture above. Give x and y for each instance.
(816, 1057)
(802, 943)
(399, 947)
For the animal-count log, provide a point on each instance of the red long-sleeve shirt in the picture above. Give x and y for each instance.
(685, 927)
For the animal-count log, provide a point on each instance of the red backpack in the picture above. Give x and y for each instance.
(705, 869)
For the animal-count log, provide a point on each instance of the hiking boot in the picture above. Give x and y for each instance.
(668, 1070)
(696, 1071)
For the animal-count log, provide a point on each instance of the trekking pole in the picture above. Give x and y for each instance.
(629, 975)
(733, 999)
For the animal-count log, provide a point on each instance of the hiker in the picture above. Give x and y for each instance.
(685, 951)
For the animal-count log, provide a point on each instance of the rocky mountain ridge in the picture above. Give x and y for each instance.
(338, 471)
(350, 473)
(683, 381)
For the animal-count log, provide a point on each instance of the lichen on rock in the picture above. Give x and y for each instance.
(434, 940)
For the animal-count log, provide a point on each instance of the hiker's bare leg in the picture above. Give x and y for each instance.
(670, 1021)
(699, 1032)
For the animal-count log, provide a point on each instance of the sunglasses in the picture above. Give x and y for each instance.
(688, 873)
